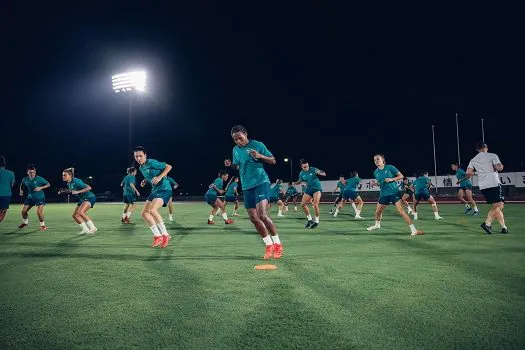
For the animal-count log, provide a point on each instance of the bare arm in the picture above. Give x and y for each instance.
(398, 177)
(164, 173)
(135, 189)
(84, 190)
(216, 189)
(21, 189)
(266, 159)
(498, 167)
(42, 187)
(470, 172)
(320, 172)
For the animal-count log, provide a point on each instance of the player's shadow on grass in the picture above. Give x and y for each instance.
(156, 254)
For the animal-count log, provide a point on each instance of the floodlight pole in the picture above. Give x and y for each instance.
(482, 130)
(457, 137)
(435, 162)
(130, 116)
(291, 170)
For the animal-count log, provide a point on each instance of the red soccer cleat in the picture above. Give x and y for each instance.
(43, 228)
(22, 225)
(417, 233)
(229, 221)
(165, 241)
(123, 220)
(269, 252)
(277, 251)
(156, 241)
(127, 220)
(211, 222)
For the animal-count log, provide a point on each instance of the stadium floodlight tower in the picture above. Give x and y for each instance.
(129, 84)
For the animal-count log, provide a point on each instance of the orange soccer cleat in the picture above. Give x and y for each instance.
(43, 228)
(229, 221)
(269, 252)
(277, 251)
(165, 241)
(211, 222)
(156, 241)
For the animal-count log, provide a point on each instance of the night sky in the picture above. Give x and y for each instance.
(331, 84)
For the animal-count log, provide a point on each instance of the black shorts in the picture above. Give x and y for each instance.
(493, 194)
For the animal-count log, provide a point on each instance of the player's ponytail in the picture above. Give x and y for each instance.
(131, 170)
(70, 171)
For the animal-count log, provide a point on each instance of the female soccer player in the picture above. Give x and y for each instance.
(275, 193)
(86, 201)
(7, 181)
(386, 177)
(249, 157)
(310, 175)
(130, 194)
(231, 195)
(465, 188)
(291, 194)
(154, 173)
(174, 185)
(350, 194)
(421, 187)
(340, 185)
(35, 196)
(212, 198)
(408, 192)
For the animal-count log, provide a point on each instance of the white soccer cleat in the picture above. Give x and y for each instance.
(92, 231)
(439, 217)
(358, 217)
(280, 215)
(374, 227)
(83, 232)
(410, 210)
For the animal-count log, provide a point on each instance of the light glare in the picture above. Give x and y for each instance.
(129, 81)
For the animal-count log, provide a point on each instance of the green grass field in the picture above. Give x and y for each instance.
(337, 286)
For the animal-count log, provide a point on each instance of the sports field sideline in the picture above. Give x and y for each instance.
(337, 286)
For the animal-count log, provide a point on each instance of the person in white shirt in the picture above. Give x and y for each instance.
(487, 165)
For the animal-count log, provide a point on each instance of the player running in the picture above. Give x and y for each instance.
(340, 185)
(174, 185)
(350, 194)
(386, 177)
(212, 198)
(407, 191)
(310, 175)
(7, 181)
(291, 194)
(421, 187)
(130, 194)
(249, 157)
(35, 186)
(487, 165)
(465, 188)
(154, 173)
(86, 201)
(275, 193)
(232, 195)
